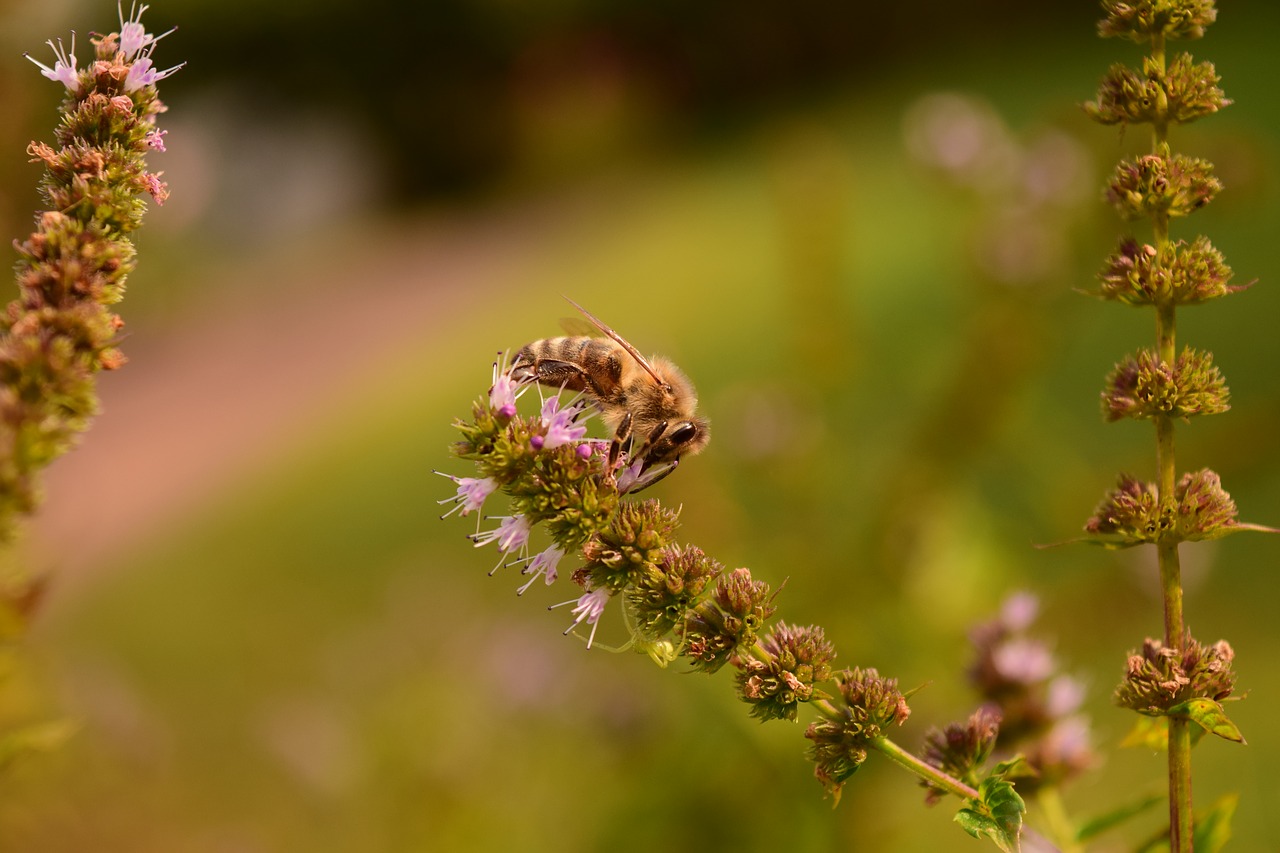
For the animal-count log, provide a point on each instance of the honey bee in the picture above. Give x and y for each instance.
(652, 398)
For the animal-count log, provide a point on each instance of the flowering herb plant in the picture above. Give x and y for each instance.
(60, 332)
(1027, 738)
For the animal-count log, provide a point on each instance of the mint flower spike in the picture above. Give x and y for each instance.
(59, 333)
(64, 68)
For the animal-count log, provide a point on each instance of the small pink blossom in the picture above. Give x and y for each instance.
(1023, 661)
(543, 565)
(1066, 695)
(142, 73)
(64, 68)
(1019, 611)
(505, 391)
(471, 495)
(630, 476)
(589, 607)
(159, 189)
(511, 534)
(560, 425)
(133, 36)
(155, 140)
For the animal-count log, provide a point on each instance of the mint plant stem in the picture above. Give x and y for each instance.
(923, 769)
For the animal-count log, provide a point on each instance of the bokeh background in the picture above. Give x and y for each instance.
(861, 228)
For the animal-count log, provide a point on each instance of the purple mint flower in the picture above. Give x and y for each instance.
(511, 534)
(544, 565)
(142, 73)
(1019, 610)
(133, 36)
(589, 608)
(559, 424)
(155, 140)
(1023, 661)
(64, 68)
(505, 391)
(158, 189)
(472, 492)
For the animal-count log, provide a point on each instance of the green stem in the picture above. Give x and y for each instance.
(923, 769)
(1179, 746)
(1049, 799)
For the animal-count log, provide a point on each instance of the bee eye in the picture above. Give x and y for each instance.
(684, 434)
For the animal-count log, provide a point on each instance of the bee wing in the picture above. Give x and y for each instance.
(596, 325)
(579, 327)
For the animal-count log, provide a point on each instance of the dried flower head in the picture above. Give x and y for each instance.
(780, 673)
(961, 749)
(865, 708)
(728, 621)
(1160, 677)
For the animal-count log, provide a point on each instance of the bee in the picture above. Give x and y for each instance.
(649, 398)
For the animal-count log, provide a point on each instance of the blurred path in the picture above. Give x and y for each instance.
(218, 390)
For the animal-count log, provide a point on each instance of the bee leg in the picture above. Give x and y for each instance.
(653, 475)
(621, 440)
(552, 372)
(649, 443)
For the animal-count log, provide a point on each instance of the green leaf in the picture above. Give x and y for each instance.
(1148, 733)
(1115, 817)
(1213, 826)
(996, 813)
(37, 737)
(1208, 715)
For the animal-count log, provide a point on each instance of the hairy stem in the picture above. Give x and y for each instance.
(923, 769)
(1179, 746)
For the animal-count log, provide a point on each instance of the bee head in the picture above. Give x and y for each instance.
(681, 438)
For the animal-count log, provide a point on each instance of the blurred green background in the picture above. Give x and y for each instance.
(858, 227)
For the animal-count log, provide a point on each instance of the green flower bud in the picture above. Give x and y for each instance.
(1145, 386)
(1162, 185)
(1139, 20)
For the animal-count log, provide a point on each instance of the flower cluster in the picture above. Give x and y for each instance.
(783, 670)
(867, 705)
(1162, 185)
(1199, 510)
(1182, 92)
(58, 334)
(676, 602)
(1145, 386)
(731, 619)
(1036, 704)
(1140, 20)
(1160, 678)
(675, 599)
(1178, 273)
(961, 749)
